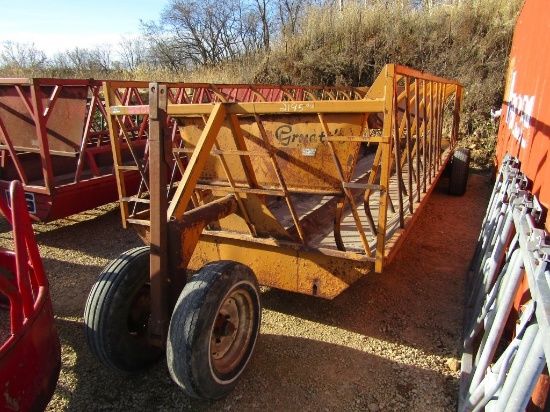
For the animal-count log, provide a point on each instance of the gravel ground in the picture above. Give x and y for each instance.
(391, 342)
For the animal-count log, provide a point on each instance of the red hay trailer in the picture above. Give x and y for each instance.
(53, 138)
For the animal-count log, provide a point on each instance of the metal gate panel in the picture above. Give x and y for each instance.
(511, 248)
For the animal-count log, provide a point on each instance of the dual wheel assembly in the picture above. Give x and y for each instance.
(212, 332)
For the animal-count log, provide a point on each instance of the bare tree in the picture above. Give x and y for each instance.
(133, 52)
(289, 14)
(249, 29)
(207, 32)
(101, 58)
(199, 32)
(79, 59)
(22, 55)
(61, 61)
(163, 49)
(265, 16)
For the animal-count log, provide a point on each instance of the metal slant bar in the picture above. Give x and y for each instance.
(501, 235)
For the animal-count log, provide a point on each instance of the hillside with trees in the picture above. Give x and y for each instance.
(305, 42)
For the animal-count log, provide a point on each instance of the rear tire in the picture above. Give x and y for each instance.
(117, 314)
(459, 171)
(213, 329)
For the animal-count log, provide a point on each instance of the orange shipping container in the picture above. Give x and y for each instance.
(525, 123)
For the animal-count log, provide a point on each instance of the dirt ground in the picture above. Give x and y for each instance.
(391, 342)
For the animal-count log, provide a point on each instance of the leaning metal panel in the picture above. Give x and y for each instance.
(504, 380)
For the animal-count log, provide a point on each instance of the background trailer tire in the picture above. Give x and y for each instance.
(213, 329)
(117, 314)
(459, 171)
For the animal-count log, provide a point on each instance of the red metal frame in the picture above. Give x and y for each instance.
(54, 139)
(30, 358)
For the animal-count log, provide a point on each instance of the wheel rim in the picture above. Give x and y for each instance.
(232, 332)
(139, 313)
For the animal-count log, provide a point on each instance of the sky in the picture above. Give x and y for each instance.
(60, 25)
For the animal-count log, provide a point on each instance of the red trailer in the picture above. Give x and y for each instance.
(30, 354)
(54, 139)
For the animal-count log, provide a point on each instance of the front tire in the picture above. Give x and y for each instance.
(117, 314)
(213, 329)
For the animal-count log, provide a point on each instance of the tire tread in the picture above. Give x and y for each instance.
(459, 171)
(185, 325)
(101, 302)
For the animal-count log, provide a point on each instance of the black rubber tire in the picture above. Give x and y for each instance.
(117, 314)
(459, 171)
(213, 329)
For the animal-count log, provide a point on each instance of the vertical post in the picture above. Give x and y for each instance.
(42, 135)
(435, 130)
(431, 123)
(158, 178)
(409, 142)
(424, 134)
(397, 153)
(385, 166)
(456, 115)
(114, 132)
(440, 113)
(417, 123)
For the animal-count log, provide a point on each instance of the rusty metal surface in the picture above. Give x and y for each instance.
(524, 129)
(64, 129)
(158, 170)
(297, 269)
(129, 100)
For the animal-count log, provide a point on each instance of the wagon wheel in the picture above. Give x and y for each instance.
(117, 314)
(459, 171)
(213, 329)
